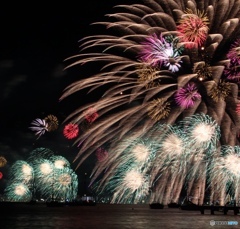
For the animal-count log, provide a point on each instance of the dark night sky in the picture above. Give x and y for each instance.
(35, 41)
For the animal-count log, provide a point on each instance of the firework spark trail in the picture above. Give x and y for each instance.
(157, 69)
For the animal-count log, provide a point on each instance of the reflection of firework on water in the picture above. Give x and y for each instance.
(71, 131)
(185, 48)
(3, 161)
(18, 192)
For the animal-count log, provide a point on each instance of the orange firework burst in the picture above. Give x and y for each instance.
(52, 122)
(220, 91)
(3, 161)
(149, 75)
(159, 109)
(193, 28)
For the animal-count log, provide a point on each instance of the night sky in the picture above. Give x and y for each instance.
(35, 41)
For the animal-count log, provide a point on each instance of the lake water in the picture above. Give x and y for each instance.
(110, 216)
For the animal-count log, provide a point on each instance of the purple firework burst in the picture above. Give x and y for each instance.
(39, 126)
(157, 51)
(186, 96)
(234, 52)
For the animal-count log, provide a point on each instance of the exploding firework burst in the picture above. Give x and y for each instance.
(17, 192)
(40, 126)
(147, 79)
(3, 161)
(71, 131)
(193, 28)
(52, 122)
(187, 96)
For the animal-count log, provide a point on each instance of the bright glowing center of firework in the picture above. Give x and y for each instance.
(140, 152)
(232, 163)
(173, 144)
(27, 170)
(59, 164)
(45, 168)
(133, 180)
(65, 179)
(20, 190)
(203, 132)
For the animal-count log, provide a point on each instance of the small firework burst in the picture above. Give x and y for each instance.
(203, 72)
(193, 28)
(3, 161)
(71, 131)
(238, 109)
(232, 73)
(40, 126)
(17, 192)
(159, 109)
(234, 53)
(101, 154)
(91, 114)
(187, 96)
(1, 175)
(52, 122)
(158, 52)
(220, 91)
(148, 75)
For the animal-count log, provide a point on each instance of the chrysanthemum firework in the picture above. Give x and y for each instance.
(193, 28)
(52, 122)
(91, 114)
(159, 109)
(17, 192)
(151, 35)
(187, 96)
(3, 161)
(71, 131)
(158, 52)
(220, 91)
(40, 126)
(234, 53)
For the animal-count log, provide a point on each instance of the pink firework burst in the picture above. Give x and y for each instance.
(186, 96)
(234, 53)
(101, 154)
(232, 73)
(193, 29)
(91, 115)
(158, 52)
(71, 131)
(238, 109)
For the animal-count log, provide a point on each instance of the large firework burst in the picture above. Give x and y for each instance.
(161, 62)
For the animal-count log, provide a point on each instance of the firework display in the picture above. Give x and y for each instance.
(44, 174)
(168, 100)
(41, 126)
(71, 131)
